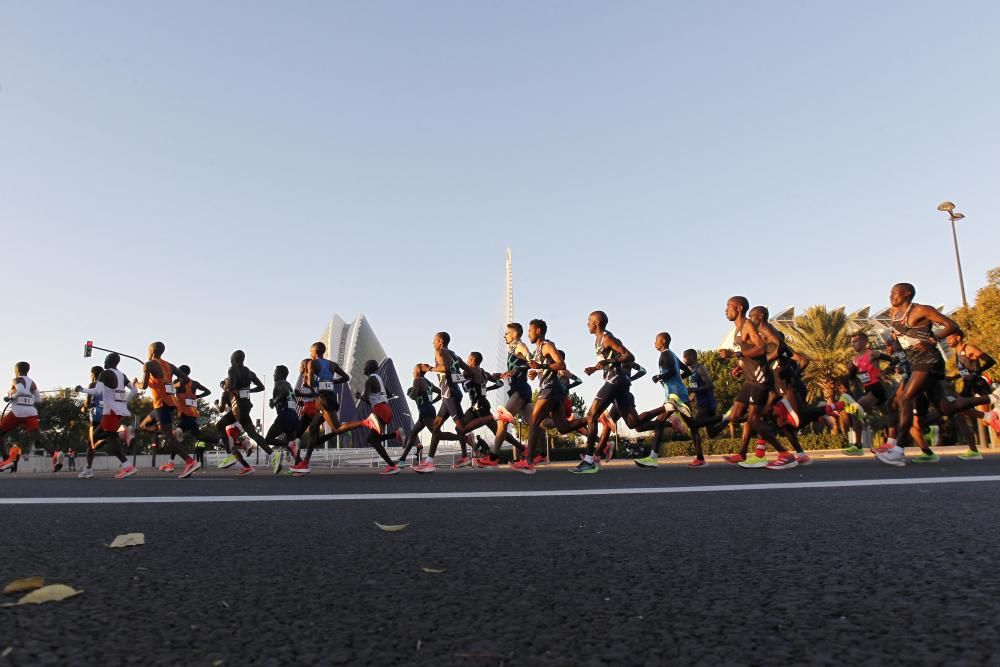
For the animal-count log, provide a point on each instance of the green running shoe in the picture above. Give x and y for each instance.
(276, 461)
(585, 468)
(679, 405)
(971, 455)
(647, 462)
(228, 462)
(926, 458)
(854, 451)
(754, 461)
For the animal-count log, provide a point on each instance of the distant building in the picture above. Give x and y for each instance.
(351, 344)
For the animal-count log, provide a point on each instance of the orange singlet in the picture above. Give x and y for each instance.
(162, 389)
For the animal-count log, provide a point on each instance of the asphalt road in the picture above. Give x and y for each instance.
(876, 574)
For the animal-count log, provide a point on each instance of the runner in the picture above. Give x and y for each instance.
(752, 399)
(322, 377)
(240, 383)
(866, 371)
(286, 422)
(972, 363)
(24, 398)
(477, 384)
(157, 376)
(305, 398)
(675, 400)
(449, 367)
(518, 397)
(425, 395)
(380, 418)
(188, 392)
(92, 405)
(701, 391)
(613, 359)
(545, 364)
(913, 324)
(605, 450)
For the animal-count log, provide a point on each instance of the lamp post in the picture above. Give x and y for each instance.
(954, 215)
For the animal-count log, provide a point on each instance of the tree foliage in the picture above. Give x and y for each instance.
(823, 336)
(981, 321)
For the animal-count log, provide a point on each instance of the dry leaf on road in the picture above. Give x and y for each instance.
(128, 540)
(51, 593)
(392, 529)
(433, 570)
(22, 585)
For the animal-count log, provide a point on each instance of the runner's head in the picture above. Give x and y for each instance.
(317, 350)
(419, 371)
(441, 340)
(304, 366)
(514, 332)
(237, 358)
(475, 359)
(112, 360)
(690, 357)
(955, 339)
(184, 370)
(901, 294)
(662, 341)
(736, 307)
(156, 350)
(597, 321)
(859, 341)
(537, 330)
(280, 373)
(371, 366)
(95, 372)
(758, 315)
(21, 368)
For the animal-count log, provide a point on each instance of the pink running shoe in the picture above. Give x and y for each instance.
(245, 472)
(167, 467)
(390, 470)
(523, 466)
(463, 462)
(698, 463)
(424, 468)
(734, 459)
(126, 471)
(783, 462)
(189, 468)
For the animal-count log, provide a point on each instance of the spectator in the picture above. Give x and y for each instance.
(71, 459)
(15, 455)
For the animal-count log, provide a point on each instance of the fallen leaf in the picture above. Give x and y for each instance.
(22, 585)
(128, 540)
(432, 570)
(7, 651)
(392, 529)
(51, 593)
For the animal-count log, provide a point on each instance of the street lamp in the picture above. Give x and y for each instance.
(954, 215)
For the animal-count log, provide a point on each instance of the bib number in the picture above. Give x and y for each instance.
(26, 401)
(244, 393)
(325, 386)
(190, 402)
(865, 378)
(169, 389)
(120, 396)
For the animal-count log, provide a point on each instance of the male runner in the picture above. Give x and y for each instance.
(477, 384)
(376, 396)
(757, 382)
(425, 395)
(157, 376)
(545, 364)
(866, 370)
(972, 363)
(24, 398)
(322, 376)
(240, 383)
(449, 367)
(675, 400)
(286, 422)
(701, 391)
(187, 393)
(92, 405)
(913, 324)
(518, 396)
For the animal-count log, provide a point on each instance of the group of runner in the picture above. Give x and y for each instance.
(771, 403)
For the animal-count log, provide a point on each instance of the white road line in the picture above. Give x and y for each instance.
(128, 500)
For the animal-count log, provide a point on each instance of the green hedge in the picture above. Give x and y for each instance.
(810, 441)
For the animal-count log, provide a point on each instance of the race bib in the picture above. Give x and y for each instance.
(864, 377)
(244, 393)
(120, 395)
(27, 401)
(169, 389)
(964, 373)
(291, 404)
(191, 402)
(325, 386)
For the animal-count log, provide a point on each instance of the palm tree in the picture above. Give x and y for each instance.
(823, 336)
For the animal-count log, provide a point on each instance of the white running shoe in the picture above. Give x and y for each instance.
(892, 457)
(86, 473)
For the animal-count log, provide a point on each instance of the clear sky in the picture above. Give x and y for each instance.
(228, 174)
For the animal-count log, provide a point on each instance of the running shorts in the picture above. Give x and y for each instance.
(752, 393)
(10, 422)
(618, 394)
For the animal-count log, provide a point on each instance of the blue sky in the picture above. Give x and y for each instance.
(229, 174)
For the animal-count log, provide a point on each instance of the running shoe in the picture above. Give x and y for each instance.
(189, 468)
(784, 461)
(505, 417)
(679, 405)
(126, 471)
(6, 464)
(372, 423)
(424, 468)
(178, 434)
(86, 473)
(463, 462)
(126, 433)
(276, 461)
(167, 467)
(804, 459)
(539, 460)
(301, 468)
(228, 462)
(926, 458)
(992, 419)
(698, 463)
(971, 455)
(390, 470)
(400, 436)
(245, 472)
(523, 466)
(754, 461)
(647, 462)
(854, 450)
(487, 462)
(734, 459)
(851, 406)
(933, 434)
(293, 448)
(584, 468)
(891, 455)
